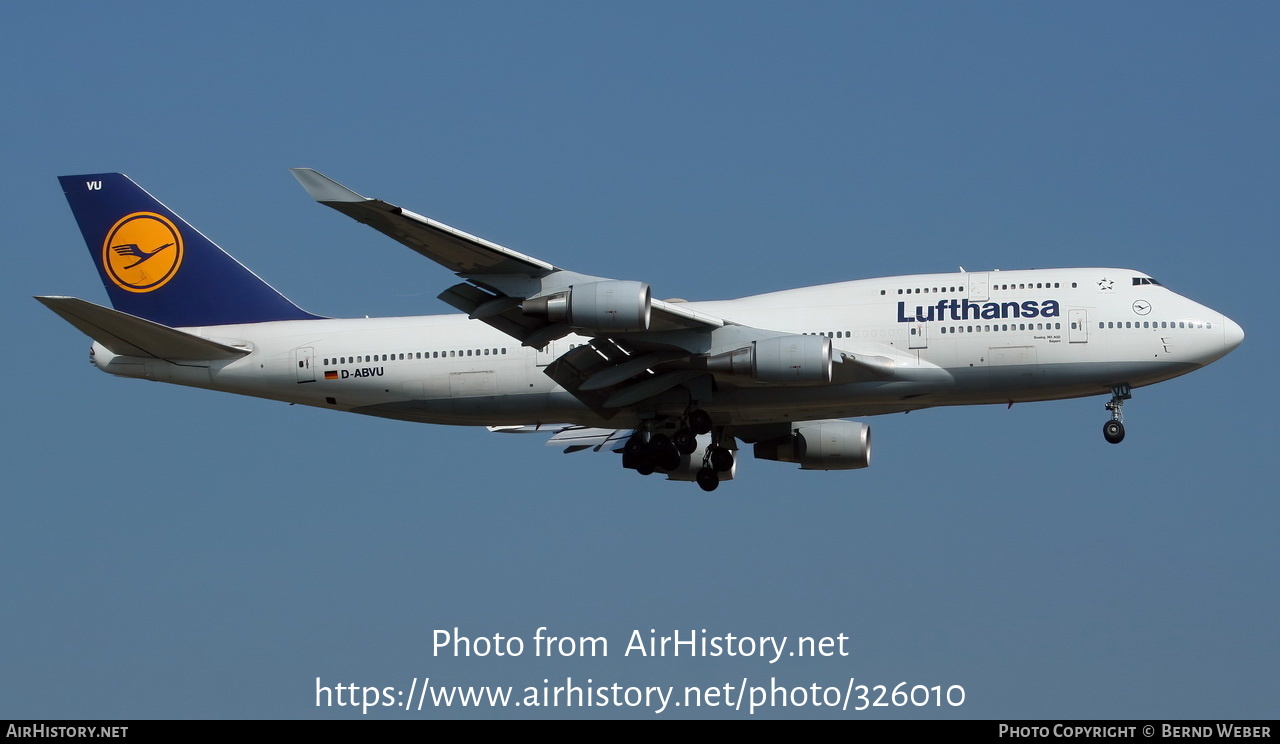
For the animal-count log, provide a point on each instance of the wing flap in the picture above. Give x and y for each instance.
(572, 437)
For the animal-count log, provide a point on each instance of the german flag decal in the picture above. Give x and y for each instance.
(331, 374)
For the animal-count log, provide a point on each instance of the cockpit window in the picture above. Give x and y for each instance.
(1140, 280)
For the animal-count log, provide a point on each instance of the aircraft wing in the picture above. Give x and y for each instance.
(640, 348)
(454, 249)
(500, 280)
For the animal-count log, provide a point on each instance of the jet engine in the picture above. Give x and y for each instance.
(821, 445)
(604, 306)
(780, 359)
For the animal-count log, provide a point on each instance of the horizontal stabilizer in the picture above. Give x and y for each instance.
(130, 335)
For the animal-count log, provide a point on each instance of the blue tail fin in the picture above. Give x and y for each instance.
(156, 266)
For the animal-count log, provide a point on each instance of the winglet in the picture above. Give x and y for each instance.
(324, 189)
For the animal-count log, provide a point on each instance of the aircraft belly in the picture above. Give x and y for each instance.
(490, 410)
(967, 385)
(1016, 382)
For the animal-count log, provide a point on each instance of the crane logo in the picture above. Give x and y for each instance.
(142, 252)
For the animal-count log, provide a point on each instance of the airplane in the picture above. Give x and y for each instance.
(675, 387)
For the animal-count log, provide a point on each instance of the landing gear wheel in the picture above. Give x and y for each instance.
(700, 421)
(635, 454)
(644, 463)
(686, 441)
(1113, 430)
(634, 445)
(664, 453)
(720, 459)
(707, 479)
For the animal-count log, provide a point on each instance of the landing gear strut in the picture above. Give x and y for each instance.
(694, 423)
(717, 459)
(1113, 430)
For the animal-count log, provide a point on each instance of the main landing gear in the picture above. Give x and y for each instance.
(1113, 430)
(716, 459)
(694, 424)
(645, 453)
(649, 451)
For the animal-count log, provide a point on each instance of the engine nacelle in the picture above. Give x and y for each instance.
(779, 359)
(822, 445)
(605, 306)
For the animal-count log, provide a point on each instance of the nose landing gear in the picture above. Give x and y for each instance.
(1113, 430)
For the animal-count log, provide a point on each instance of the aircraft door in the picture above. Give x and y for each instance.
(546, 355)
(916, 336)
(1078, 326)
(304, 361)
(978, 285)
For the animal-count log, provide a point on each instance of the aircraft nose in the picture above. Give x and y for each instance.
(1232, 334)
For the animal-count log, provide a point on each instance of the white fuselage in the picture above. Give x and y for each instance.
(954, 339)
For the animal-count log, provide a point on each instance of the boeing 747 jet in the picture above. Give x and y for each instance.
(597, 363)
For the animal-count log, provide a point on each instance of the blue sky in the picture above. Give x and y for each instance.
(176, 553)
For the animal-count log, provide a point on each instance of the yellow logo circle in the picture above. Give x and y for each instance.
(142, 252)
